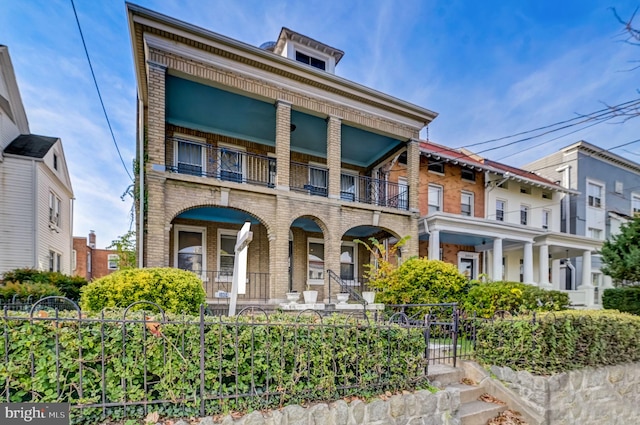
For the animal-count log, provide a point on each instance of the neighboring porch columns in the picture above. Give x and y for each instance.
(543, 262)
(434, 245)
(555, 274)
(334, 155)
(413, 174)
(496, 271)
(283, 144)
(527, 263)
(586, 284)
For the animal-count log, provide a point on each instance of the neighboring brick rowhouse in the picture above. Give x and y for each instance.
(91, 262)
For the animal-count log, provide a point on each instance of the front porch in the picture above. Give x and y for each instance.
(509, 252)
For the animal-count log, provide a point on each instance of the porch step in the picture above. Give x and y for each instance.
(468, 393)
(479, 412)
(442, 375)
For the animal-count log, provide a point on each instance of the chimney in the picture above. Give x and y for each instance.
(92, 239)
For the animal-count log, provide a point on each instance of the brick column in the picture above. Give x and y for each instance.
(334, 155)
(283, 144)
(278, 254)
(413, 173)
(157, 237)
(156, 75)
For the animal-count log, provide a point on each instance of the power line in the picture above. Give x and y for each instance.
(93, 75)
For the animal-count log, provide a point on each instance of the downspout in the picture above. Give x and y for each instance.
(573, 273)
(71, 224)
(566, 182)
(141, 196)
(34, 208)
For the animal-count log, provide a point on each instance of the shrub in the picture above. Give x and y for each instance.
(278, 362)
(562, 341)
(626, 299)
(17, 291)
(69, 286)
(172, 289)
(421, 281)
(515, 297)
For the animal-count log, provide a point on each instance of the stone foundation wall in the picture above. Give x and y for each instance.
(420, 407)
(602, 396)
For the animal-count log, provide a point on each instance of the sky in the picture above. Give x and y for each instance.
(489, 68)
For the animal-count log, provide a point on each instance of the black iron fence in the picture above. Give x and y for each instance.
(131, 362)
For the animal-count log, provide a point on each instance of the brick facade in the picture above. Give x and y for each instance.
(90, 262)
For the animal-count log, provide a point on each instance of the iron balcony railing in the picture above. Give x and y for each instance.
(228, 164)
(374, 191)
(217, 286)
(311, 179)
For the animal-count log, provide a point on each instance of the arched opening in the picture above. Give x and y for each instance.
(307, 254)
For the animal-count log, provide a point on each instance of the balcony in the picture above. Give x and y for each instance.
(228, 164)
(372, 191)
(311, 179)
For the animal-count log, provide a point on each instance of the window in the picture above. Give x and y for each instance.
(403, 193)
(524, 215)
(189, 158)
(55, 261)
(435, 198)
(189, 243)
(525, 189)
(546, 217)
(348, 262)
(317, 181)
(231, 166)
(619, 187)
(74, 259)
(89, 262)
(635, 205)
(55, 161)
(466, 204)
(468, 174)
(112, 261)
(309, 60)
(594, 193)
(55, 206)
(500, 208)
(595, 233)
(348, 187)
(226, 254)
(316, 261)
(436, 166)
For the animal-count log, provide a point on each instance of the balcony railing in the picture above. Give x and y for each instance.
(199, 159)
(374, 191)
(311, 179)
(217, 286)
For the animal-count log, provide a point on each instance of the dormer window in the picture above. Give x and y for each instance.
(309, 60)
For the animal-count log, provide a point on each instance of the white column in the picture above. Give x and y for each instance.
(434, 245)
(555, 274)
(527, 261)
(586, 285)
(544, 267)
(496, 271)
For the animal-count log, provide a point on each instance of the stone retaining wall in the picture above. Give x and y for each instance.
(602, 396)
(418, 408)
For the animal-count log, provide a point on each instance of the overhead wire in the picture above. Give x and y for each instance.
(95, 82)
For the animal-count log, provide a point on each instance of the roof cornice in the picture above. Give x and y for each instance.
(601, 153)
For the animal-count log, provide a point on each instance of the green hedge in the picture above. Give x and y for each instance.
(297, 363)
(175, 290)
(625, 299)
(38, 283)
(21, 292)
(558, 342)
(515, 297)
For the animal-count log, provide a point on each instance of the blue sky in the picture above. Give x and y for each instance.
(490, 68)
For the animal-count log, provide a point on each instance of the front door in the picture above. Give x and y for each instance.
(468, 264)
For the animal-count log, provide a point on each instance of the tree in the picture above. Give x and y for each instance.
(621, 255)
(125, 247)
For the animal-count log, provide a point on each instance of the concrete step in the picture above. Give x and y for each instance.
(468, 393)
(442, 375)
(479, 412)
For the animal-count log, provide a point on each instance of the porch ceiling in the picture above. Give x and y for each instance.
(205, 108)
(219, 214)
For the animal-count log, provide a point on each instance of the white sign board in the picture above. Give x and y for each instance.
(239, 285)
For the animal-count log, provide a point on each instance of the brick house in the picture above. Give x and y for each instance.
(232, 133)
(91, 262)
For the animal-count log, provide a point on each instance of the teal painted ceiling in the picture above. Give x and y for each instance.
(209, 109)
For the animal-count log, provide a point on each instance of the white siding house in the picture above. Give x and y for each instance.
(36, 209)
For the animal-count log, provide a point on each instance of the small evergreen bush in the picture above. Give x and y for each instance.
(21, 292)
(561, 341)
(515, 297)
(175, 290)
(626, 299)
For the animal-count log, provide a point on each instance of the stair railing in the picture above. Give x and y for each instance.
(344, 287)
